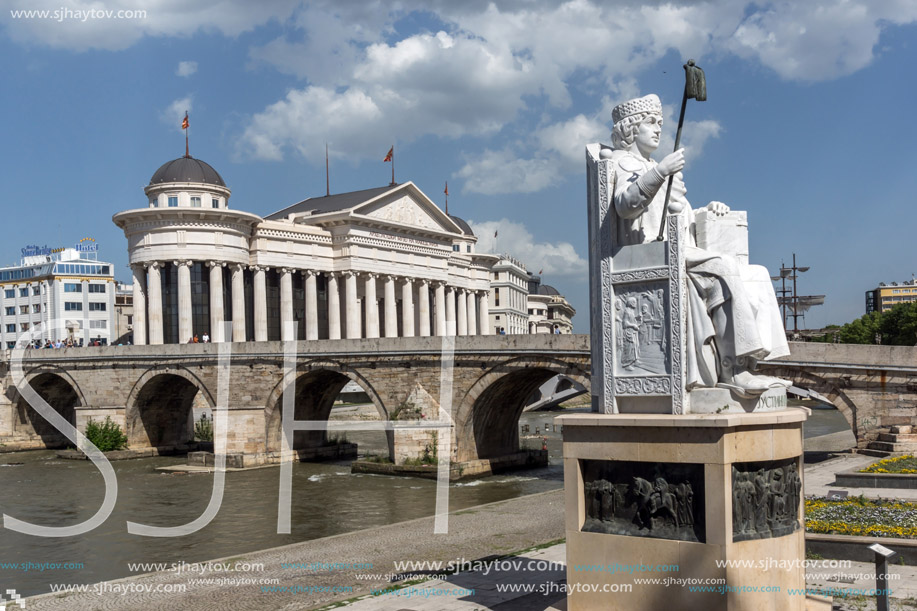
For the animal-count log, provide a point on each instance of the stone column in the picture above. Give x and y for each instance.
(351, 307)
(286, 305)
(462, 323)
(139, 327)
(450, 310)
(185, 330)
(484, 305)
(407, 308)
(371, 305)
(423, 305)
(260, 294)
(154, 288)
(391, 308)
(334, 307)
(216, 301)
(311, 305)
(439, 300)
(238, 302)
(472, 314)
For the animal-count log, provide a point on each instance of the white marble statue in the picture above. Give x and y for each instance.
(733, 317)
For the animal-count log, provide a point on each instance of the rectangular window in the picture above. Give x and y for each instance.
(36, 308)
(96, 288)
(173, 201)
(195, 202)
(11, 310)
(36, 290)
(154, 203)
(73, 306)
(73, 287)
(23, 292)
(24, 309)
(215, 202)
(98, 324)
(9, 293)
(130, 319)
(455, 247)
(11, 328)
(496, 275)
(10, 345)
(97, 307)
(24, 326)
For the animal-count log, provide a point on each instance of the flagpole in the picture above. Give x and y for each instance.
(393, 164)
(447, 198)
(327, 176)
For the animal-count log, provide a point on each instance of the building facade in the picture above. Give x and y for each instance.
(548, 310)
(886, 296)
(383, 262)
(509, 281)
(66, 290)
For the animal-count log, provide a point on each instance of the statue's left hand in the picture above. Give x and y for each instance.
(718, 208)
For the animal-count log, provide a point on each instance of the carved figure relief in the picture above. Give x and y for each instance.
(765, 499)
(641, 499)
(405, 211)
(641, 345)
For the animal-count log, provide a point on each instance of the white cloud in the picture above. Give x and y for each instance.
(557, 259)
(175, 112)
(186, 68)
(496, 172)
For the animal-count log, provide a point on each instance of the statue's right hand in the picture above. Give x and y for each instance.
(673, 162)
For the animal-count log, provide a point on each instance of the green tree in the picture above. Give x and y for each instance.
(899, 325)
(861, 331)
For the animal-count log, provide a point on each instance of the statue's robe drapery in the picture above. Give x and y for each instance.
(715, 280)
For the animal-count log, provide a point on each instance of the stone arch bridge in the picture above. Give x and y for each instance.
(150, 390)
(874, 387)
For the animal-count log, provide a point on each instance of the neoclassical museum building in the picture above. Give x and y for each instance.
(383, 262)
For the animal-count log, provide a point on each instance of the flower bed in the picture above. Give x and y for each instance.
(862, 517)
(897, 464)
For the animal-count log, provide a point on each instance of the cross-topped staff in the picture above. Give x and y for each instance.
(695, 87)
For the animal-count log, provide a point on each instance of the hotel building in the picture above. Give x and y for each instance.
(68, 290)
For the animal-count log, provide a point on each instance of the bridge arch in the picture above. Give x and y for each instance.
(58, 388)
(810, 381)
(158, 412)
(486, 420)
(318, 383)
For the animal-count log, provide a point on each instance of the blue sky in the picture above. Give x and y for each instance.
(808, 126)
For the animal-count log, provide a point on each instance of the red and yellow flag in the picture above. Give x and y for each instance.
(389, 154)
(184, 122)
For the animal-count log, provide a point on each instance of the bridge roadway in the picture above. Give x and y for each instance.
(150, 390)
(482, 381)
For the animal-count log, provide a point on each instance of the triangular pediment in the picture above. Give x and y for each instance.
(408, 207)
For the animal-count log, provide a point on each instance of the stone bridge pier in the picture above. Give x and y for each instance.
(472, 387)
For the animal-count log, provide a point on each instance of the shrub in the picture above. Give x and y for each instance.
(107, 436)
(203, 429)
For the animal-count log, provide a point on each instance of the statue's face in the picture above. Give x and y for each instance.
(647, 139)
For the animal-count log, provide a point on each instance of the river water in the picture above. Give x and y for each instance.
(327, 500)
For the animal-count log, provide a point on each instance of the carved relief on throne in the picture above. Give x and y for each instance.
(641, 330)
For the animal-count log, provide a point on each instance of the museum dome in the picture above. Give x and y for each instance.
(547, 289)
(187, 169)
(465, 227)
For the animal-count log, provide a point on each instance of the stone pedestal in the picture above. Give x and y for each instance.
(659, 496)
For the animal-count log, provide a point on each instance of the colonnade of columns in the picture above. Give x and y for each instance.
(467, 310)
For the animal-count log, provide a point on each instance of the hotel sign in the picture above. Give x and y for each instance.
(33, 250)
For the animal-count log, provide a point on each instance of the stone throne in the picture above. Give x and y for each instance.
(660, 475)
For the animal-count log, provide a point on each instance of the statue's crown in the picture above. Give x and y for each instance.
(648, 103)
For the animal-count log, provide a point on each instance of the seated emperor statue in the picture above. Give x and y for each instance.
(733, 318)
